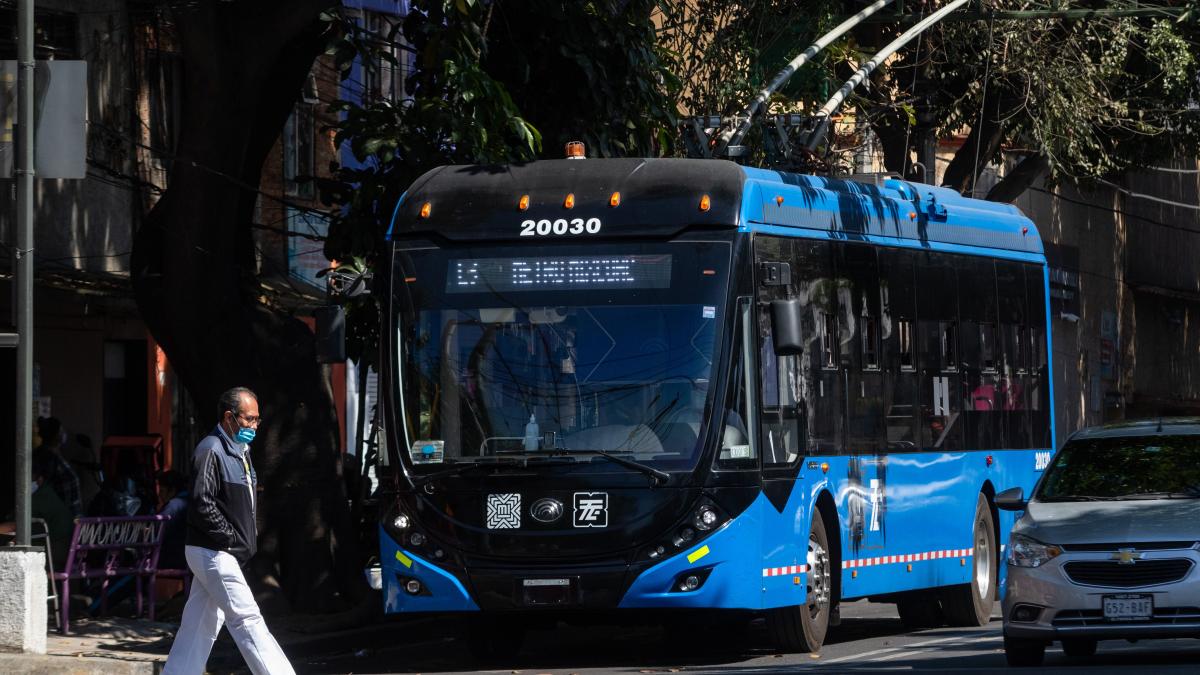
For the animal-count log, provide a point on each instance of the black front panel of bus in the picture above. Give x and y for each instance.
(448, 510)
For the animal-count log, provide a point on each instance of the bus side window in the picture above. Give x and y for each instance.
(1014, 380)
(780, 433)
(737, 447)
(937, 334)
(898, 346)
(860, 303)
(1039, 375)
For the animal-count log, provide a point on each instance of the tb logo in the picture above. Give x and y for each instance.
(591, 509)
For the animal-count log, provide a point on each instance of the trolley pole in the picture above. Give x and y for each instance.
(23, 268)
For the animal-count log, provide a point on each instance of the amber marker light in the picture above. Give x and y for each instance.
(710, 273)
(523, 202)
(615, 199)
(426, 209)
(778, 200)
(409, 280)
(576, 150)
(705, 203)
(569, 202)
(824, 467)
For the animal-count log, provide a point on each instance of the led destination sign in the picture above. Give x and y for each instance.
(562, 273)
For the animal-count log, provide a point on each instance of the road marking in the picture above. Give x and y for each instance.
(889, 654)
(842, 659)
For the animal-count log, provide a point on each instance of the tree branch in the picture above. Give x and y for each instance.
(1019, 179)
(982, 143)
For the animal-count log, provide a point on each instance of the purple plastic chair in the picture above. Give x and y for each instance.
(108, 549)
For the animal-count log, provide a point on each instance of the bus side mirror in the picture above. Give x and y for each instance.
(1012, 499)
(785, 327)
(331, 334)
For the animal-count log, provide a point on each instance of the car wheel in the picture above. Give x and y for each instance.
(1023, 653)
(919, 610)
(1079, 648)
(971, 604)
(802, 628)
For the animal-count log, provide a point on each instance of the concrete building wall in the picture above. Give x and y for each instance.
(88, 224)
(1127, 346)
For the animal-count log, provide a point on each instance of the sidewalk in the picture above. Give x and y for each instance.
(120, 646)
(105, 646)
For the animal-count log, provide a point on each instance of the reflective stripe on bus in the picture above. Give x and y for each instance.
(881, 560)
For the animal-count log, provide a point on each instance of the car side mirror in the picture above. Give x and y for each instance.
(1012, 499)
(786, 327)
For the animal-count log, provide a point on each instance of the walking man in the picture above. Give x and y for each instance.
(221, 537)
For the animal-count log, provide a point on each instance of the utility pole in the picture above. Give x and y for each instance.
(23, 268)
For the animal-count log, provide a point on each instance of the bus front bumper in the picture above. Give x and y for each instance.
(716, 572)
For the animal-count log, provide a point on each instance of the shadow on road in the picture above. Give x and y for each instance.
(435, 646)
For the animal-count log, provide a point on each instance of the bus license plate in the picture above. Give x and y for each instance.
(1128, 607)
(546, 591)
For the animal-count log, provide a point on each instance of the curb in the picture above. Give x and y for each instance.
(41, 664)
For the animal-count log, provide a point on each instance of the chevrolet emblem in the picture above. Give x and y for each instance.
(1126, 556)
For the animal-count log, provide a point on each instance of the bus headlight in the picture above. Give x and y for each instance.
(401, 521)
(697, 525)
(706, 518)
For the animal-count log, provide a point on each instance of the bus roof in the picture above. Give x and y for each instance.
(883, 209)
(662, 196)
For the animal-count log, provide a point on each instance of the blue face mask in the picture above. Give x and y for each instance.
(245, 435)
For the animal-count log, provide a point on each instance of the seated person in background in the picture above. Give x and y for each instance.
(78, 452)
(46, 504)
(173, 488)
(120, 495)
(59, 473)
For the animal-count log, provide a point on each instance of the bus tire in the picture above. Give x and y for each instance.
(971, 604)
(802, 628)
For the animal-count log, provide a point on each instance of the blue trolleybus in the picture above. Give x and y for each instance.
(621, 385)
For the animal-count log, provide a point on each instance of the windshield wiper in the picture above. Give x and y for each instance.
(1190, 494)
(657, 476)
(1074, 498)
(460, 467)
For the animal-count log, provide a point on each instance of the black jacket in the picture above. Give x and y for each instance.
(221, 509)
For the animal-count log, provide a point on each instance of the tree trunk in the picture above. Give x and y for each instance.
(1019, 179)
(193, 265)
(982, 144)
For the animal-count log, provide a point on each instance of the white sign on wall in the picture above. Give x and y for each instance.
(60, 115)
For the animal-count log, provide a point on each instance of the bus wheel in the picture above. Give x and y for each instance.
(802, 628)
(971, 604)
(494, 642)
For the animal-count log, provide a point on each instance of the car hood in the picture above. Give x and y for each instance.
(1142, 520)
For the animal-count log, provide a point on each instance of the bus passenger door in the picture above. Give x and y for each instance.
(793, 393)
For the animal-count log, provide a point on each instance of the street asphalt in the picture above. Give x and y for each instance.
(869, 640)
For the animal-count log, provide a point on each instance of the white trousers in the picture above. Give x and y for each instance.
(220, 596)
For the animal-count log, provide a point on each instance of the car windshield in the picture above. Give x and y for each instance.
(559, 350)
(1124, 468)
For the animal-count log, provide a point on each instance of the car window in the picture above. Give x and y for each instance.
(1128, 468)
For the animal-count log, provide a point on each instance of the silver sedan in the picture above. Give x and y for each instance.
(1109, 542)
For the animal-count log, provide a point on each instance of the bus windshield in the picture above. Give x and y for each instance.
(561, 350)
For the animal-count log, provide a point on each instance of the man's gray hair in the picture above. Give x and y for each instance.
(232, 400)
